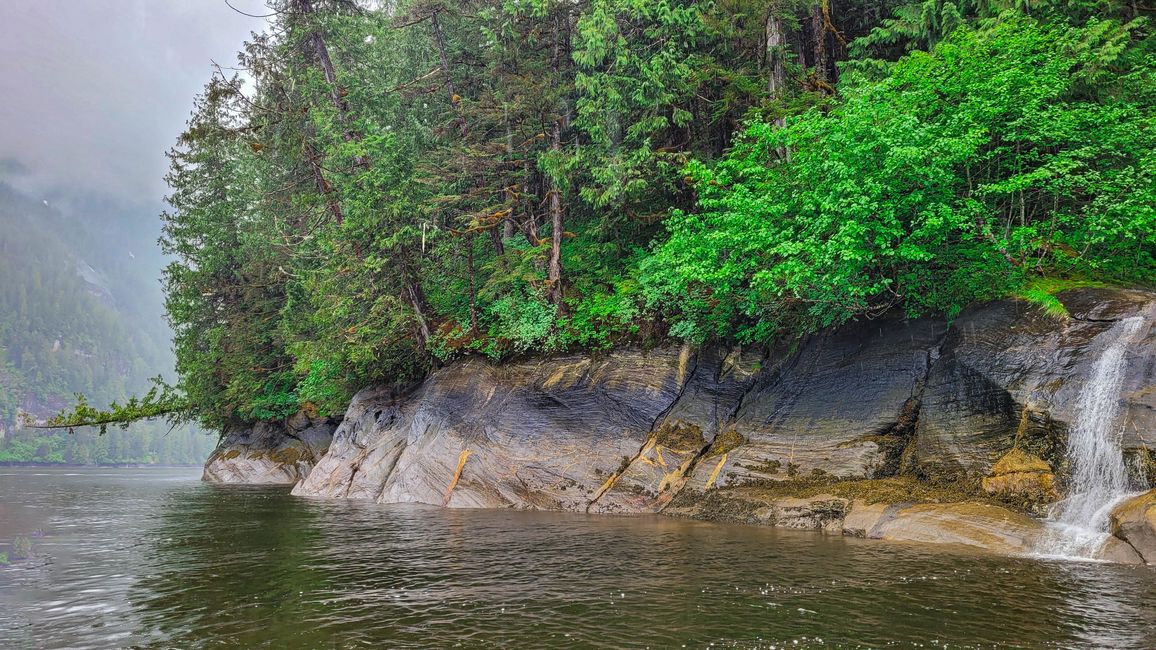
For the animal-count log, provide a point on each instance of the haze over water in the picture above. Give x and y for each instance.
(154, 558)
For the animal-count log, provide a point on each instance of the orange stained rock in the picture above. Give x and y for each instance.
(457, 474)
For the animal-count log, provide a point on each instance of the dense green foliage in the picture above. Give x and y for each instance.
(386, 189)
(80, 313)
(1016, 149)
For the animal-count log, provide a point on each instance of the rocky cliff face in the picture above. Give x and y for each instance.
(270, 453)
(876, 412)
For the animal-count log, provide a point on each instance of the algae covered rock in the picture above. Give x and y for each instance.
(756, 505)
(1023, 480)
(1134, 521)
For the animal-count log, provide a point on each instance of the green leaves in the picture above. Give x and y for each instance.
(965, 170)
(161, 401)
(1016, 147)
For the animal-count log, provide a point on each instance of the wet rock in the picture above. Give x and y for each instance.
(982, 526)
(1010, 376)
(978, 525)
(1134, 521)
(863, 517)
(270, 453)
(751, 505)
(824, 512)
(1023, 480)
(1117, 550)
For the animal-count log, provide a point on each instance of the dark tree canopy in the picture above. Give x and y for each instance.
(400, 184)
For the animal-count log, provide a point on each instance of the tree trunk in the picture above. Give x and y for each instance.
(819, 41)
(496, 238)
(776, 68)
(336, 92)
(473, 283)
(417, 300)
(455, 99)
(555, 269)
(776, 47)
(323, 186)
(530, 221)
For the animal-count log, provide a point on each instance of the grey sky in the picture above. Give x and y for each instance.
(93, 92)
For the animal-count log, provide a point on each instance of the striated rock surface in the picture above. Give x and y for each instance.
(843, 406)
(887, 428)
(542, 434)
(270, 453)
(970, 524)
(1010, 375)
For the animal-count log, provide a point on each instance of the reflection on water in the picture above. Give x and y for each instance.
(152, 558)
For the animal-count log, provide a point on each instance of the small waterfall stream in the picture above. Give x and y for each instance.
(1099, 476)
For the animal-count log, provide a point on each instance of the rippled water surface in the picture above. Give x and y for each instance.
(153, 558)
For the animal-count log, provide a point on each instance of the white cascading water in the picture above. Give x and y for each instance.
(1099, 477)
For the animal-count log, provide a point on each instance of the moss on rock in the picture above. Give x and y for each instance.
(725, 442)
(680, 436)
(287, 455)
(1022, 480)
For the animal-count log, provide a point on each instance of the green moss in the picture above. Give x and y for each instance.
(726, 442)
(287, 456)
(682, 436)
(769, 467)
(623, 465)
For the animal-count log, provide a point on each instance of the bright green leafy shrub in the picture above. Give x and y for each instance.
(1007, 151)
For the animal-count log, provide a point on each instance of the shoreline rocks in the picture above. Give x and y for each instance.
(1023, 480)
(270, 453)
(939, 423)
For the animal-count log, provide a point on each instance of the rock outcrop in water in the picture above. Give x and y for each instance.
(1134, 521)
(270, 453)
(872, 416)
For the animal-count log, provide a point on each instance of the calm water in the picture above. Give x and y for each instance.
(153, 558)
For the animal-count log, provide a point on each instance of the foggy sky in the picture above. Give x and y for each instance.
(93, 92)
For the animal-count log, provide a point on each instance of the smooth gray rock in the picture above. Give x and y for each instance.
(843, 405)
(545, 434)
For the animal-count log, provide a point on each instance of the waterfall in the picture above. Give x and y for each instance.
(1099, 477)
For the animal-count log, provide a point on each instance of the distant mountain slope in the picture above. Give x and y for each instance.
(81, 312)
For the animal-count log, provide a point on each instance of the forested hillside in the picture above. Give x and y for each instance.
(80, 311)
(383, 188)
